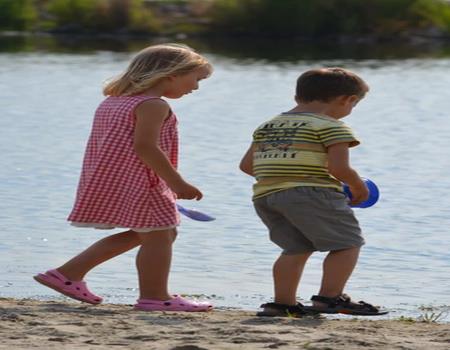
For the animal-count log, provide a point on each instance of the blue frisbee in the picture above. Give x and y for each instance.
(374, 194)
(194, 214)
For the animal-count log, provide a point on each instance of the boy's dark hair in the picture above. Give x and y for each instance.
(325, 84)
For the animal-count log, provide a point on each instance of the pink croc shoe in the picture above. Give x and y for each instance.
(73, 289)
(177, 303)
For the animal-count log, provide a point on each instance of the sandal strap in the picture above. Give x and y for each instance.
(368, 306)
(282, 306)
(345, 301)
(56, 274)
(339, 300)
(283, 310)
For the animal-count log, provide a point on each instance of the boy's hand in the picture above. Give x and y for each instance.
(339, 167)
(359, 192)
(183, 190)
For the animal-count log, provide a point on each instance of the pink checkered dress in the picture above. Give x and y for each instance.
(116, 189)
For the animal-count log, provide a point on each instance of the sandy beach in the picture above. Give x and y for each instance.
(31, 324)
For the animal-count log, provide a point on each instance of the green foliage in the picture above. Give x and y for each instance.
(406, 319)
(327, 17)
(256, 18)
(141, 18)
(67, 12)
(435, 12)
(17, 14)
(102, 15)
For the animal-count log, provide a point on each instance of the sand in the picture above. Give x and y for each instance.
(32, 324)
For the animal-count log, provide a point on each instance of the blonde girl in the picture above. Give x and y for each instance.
(129, 177)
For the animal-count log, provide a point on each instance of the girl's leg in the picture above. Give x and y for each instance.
(104, 249)
(337, 269)
(153, 264)
(287, 272)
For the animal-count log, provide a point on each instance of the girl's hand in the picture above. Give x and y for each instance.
(183, 190)
(150, 115)
(360, 193)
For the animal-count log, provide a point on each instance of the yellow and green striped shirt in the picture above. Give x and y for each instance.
(291, 151)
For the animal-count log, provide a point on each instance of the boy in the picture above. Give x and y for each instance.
(300, 159)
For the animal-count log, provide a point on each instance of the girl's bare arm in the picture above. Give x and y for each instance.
(150, 116)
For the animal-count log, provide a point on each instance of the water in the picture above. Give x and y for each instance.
(47, 101)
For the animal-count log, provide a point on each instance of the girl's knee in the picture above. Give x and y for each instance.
(159, 236)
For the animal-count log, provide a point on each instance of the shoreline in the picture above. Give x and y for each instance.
(415, 38)
(27, 323)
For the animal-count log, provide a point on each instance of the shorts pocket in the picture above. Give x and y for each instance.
(332, 199)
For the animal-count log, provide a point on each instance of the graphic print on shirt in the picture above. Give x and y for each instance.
(277, 138)
(291, 150)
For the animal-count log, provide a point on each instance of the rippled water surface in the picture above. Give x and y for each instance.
(47, 100)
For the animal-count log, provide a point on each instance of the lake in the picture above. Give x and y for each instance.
(50, 88)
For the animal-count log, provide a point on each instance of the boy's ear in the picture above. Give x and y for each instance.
(343, 99)
(353, 99)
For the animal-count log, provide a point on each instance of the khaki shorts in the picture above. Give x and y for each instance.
(307, 219)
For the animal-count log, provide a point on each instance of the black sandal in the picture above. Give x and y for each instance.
(284, 310)
(342, 304)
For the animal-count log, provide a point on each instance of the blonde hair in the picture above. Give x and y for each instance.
(153, 64)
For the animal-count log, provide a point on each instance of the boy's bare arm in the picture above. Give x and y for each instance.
(339, 167)
(246, 164)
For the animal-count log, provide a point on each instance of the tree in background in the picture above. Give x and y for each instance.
(318, 18)
(102, 15)
(433, 12)
(17, 14)
(260, 18)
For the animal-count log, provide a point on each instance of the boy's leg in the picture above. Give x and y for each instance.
(337, 269)
(287, 272)
(153, 264)
(104, 249)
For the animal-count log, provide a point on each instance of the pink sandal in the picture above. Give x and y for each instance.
(177, 303)
(74, 289)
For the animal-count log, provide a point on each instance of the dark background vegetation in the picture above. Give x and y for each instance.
(308, 19)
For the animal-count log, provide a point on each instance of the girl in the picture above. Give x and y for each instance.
(129, 177)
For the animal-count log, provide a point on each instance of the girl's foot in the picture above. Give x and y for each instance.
(177, 303)
(74, 289)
